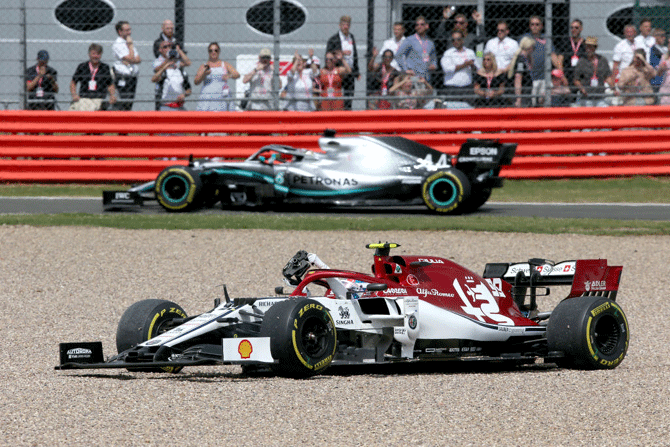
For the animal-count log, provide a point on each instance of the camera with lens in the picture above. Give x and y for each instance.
(173, 54)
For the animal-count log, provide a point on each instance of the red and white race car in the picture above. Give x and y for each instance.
(408, 309)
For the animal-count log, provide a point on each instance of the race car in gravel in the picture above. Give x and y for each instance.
(408, 309)
(348, 171)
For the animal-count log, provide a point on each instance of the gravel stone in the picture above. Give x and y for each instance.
(64, 284)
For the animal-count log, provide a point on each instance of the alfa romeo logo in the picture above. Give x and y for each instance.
(412, 322)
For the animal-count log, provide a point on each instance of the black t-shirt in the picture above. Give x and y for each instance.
(496, 82)
(523, 67)
(102, 77)
(565, 47)
(44, 90)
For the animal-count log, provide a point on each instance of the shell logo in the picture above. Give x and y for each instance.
(245, 349)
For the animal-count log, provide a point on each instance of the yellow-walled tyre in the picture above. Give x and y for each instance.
(143, 321)
(444, 192)
(592, 332)
(303, 337)
(178, 188)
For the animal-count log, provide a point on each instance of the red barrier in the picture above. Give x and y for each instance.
(552, 142)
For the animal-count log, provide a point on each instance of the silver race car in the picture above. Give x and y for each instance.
(348, 171)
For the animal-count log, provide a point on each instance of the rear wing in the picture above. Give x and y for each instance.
(486, 154)
(587, 277)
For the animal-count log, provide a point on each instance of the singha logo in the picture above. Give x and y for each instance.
(344, 313)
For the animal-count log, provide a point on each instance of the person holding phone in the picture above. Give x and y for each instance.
(214, 74)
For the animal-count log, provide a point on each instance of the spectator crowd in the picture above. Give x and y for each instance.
(409, 71)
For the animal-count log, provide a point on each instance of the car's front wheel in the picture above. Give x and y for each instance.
(178, 188)
(445, 192)
(303, 337)
(143, 321)
(592, 332)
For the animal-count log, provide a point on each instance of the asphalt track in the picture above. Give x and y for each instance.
(620, 211)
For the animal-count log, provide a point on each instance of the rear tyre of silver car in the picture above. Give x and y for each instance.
(478, 197)
(592, 332)
(303, 337)
(445, 192)
(143, 321)
(178, 188)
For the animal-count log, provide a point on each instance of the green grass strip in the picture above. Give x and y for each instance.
(341, 223)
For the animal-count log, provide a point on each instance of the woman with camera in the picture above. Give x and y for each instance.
(215, 93)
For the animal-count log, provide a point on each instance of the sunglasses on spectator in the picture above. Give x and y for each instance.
(502, 30)
(213, 50)
(535, 24)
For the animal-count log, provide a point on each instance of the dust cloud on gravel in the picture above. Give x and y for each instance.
(72, 284)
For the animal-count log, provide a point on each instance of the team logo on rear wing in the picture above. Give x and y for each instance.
(561, 269)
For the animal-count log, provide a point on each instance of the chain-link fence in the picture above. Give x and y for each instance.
(345, 76)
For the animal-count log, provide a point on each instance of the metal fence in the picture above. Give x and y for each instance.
(66, 28)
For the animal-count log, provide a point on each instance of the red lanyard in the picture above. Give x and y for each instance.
(331, 77)
(385, 76)
(421, 43)
(93, 72)
(575, 49)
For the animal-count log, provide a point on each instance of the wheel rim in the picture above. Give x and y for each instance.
(175, 188)
(443, 192)
(606, 335)
(314, 337)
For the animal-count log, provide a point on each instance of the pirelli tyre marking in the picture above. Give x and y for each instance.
(177, 188)
(143, 321)
(607, 335)
(303, 336)
(445, 191)
(310, 337)
(592, 332)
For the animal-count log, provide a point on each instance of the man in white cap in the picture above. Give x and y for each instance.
(261, 85)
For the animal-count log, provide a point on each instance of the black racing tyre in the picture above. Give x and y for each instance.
(303, 337)
(591, 331)
(144, 320)
(478, 197)
(445, 192)
(178, 188)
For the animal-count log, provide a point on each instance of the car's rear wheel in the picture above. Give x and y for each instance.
(303, 337)
(592, 332)
(143, 321)
(445, 192)
(478, 197)
(178, 188)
